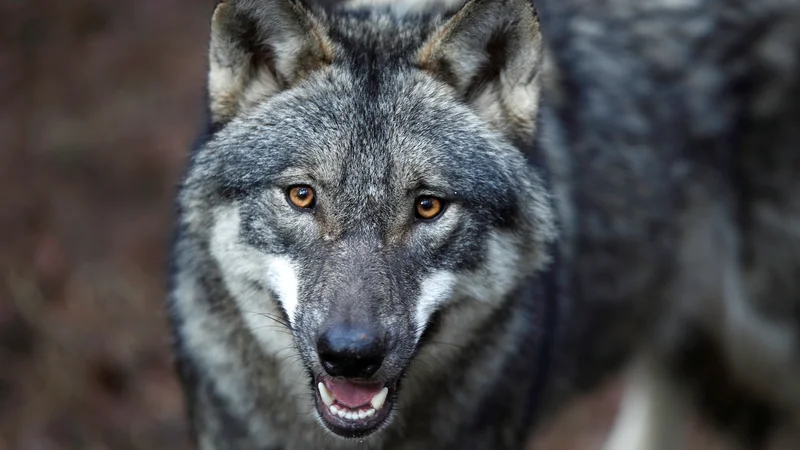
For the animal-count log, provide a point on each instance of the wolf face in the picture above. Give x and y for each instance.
(367, 174)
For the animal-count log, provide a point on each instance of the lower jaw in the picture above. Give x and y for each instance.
(357, 422)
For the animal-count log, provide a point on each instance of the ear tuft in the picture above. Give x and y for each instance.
(490, 52)
(259, 48)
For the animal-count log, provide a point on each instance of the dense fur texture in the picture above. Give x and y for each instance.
(663, 147)
(371, 110)
(671, 130)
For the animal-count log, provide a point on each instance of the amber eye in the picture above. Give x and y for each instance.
(301, 197)
(429, 207)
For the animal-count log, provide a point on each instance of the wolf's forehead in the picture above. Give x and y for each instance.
(396, 159)
(390, 134)
(400, 131)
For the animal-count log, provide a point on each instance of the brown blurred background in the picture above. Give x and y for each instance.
(100, 102)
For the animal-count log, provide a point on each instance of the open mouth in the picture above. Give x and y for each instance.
(353, 409)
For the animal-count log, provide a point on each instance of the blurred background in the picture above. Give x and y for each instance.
(100, 101)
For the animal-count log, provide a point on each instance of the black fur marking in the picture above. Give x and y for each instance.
(546, 289)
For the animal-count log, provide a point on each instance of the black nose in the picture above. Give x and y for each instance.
(351, 351)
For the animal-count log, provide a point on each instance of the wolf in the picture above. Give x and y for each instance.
(362, 256)
(433, 226)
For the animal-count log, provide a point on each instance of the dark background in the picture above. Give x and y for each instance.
(99, 102)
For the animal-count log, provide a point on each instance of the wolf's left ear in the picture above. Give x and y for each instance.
(259, 48)
(491, 53)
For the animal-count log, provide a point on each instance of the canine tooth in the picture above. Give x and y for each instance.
(362, 414)
(370, 412)
(334, 409)
(325, 394)
(379, 399)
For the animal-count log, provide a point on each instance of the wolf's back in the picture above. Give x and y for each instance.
(671, 126)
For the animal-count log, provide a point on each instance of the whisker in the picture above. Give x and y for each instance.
(273, 328)
(284, 360)
(291, 347)
(290, 366)
(272, 317)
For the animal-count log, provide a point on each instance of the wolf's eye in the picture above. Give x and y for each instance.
(428, 207)
(301, 197)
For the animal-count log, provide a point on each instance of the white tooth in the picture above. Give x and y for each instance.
(325, 394)
(351, 415)
(370, 412)
(334, 409)
(342, 413)
(379, 399)
(362, 414)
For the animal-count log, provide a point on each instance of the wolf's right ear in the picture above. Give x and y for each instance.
(258, 48)
(490, 51)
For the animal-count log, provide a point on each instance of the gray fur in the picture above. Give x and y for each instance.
(665, 140)
(368, 113)
(680, 121)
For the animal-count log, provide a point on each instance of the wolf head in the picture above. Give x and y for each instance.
(366, 173)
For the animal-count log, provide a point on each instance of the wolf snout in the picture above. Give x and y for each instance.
(351, 351)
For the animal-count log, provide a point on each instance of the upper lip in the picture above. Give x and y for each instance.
(328, 397)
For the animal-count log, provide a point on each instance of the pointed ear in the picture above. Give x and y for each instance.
(258, 48)
(491, 53)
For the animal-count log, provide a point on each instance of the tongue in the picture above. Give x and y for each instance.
(350, 394)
